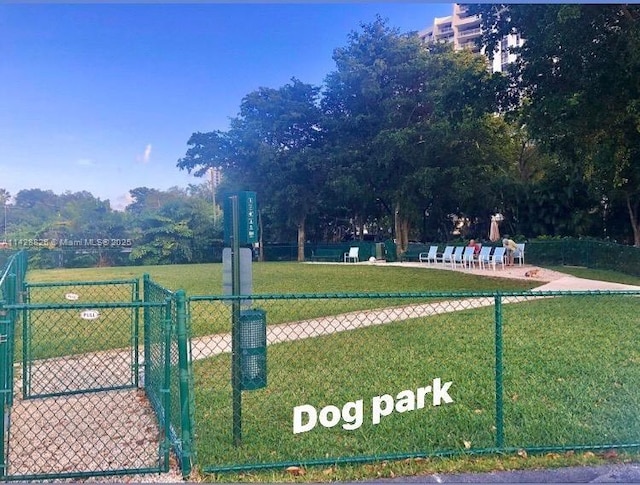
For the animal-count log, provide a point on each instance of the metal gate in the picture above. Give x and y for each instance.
(79, 404)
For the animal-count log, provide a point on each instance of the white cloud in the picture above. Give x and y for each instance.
(146, 156)
(85, 162)
(121, 202)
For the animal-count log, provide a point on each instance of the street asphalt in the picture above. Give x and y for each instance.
(617, 473)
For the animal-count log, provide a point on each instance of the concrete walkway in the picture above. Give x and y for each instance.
(572, 283)
(207, 346)
(550, 280)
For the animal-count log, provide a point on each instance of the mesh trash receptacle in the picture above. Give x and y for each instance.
(253, 349)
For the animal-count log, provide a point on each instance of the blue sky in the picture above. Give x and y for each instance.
(104, 97)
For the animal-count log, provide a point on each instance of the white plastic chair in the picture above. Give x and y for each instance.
(447, 256)
(432, 255)
(457, 256)
(498, 257)
(484, 257)
(352, 256)
(468, 258)
(519, 253)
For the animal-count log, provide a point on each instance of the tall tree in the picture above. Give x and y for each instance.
(577, 80)
(272, 148)
(409, 119)
(5, 196)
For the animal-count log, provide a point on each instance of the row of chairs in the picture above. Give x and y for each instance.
(464, 256)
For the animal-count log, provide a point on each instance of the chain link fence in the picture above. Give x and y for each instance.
(585, 252)
(78, 405)
(169, 343)
(317, 379)
(14, 267)
(66, 349)
(355, 378)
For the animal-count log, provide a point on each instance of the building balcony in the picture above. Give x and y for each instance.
(472, 46)
(469, 32)
(470, 20)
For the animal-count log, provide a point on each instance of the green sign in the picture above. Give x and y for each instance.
(247, 218)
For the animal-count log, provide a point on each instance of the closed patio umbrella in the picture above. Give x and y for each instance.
(494, 231)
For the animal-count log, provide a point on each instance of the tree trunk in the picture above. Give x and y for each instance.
(404, 230)
(401, 224)
(633, 215)
(301, 238)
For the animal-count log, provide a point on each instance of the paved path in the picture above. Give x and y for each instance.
(204, 347)
(550, 280)
(572, 283)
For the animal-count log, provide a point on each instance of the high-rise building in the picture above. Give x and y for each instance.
(215, 174)
(462, 29)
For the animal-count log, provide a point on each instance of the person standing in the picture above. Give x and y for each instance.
(511, 247)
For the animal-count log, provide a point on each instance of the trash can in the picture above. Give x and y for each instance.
(390, 249)
(253, 349)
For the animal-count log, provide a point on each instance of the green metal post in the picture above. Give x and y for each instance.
(146, 323)
(136, 333)
(12, 297)
(166, 385)
(185, 390)
(236, 377)
(6, 362)
(4, 323)
(26, 345)
(499, 375)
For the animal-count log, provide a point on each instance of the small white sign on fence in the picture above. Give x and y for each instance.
(89, 314)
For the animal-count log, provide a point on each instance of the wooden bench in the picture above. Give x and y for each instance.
(325, 254)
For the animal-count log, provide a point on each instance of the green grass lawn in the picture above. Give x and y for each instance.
(570, 370)
(283, 278)
(206, 279)
(571, 378)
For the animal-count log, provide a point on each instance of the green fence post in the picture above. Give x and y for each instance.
(146, 327)
(167, 322)
(12, 298)
(185, 390)
(26, 344)
(236, 365)
(136, 332)
(499, 376)
(4, 323)
(6, 363)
